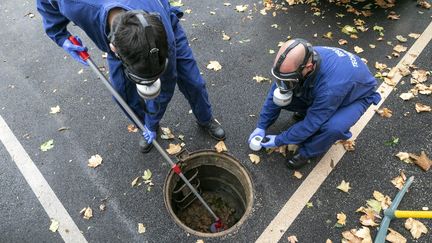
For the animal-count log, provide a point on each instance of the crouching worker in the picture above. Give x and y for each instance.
(327, 88)
(148, 54)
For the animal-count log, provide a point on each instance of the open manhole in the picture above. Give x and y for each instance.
(223, 183)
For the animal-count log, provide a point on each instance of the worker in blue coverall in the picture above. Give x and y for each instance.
(146, 45)
(327, 88)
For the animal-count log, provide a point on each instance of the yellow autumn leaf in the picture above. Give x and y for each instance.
(341, 218)
(214, 65)
(94, 161)
(255, 159)
(173, 148)
(221, 147)
(344, 186)
(54, 225)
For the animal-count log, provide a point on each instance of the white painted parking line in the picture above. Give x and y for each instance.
(46, 196)
(286, 216)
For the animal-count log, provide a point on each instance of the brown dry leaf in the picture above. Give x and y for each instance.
(415, 227)
(420, 76)
(214, 65)
(400, 48)
(141, 228)
(395, 237)
(350, 236)
(399, 181)
(166, 133)
(364, 234)
(292, 239)
(87, 213)
(328, 241)
(422, 161)
(132, 128)
(385, 112)
(344, 186)
(372, 46)
(424, 4)
(404, 70)
(225, 37)
(384, 200)
(297, 174)
(94, 161)
(173, 148)
(349, 145)
(393, 16)
(406, 96)
(341, 218)
(55, 110)
(422, 108)
(221, 147)
(255, 159)
(380, 66)
(261, 79)
(368, 218)
(389, 81)
(358, 49)
(342, 42)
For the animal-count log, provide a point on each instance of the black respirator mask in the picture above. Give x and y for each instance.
(147, 81)
(287, 82)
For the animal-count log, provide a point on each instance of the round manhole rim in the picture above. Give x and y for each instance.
(249, 198)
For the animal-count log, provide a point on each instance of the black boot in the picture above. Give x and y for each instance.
(214, 129)
(297, 116)
(296, 161)
(144, 147)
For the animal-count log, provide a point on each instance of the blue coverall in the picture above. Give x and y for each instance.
(333, 101)
(91, 16)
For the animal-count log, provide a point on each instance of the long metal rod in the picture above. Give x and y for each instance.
(137, 121)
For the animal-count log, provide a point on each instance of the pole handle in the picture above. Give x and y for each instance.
(83, 54)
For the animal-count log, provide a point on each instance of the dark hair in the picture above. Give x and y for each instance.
(129, 38)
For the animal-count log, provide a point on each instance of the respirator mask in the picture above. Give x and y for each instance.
(146, 79)
(287, 82)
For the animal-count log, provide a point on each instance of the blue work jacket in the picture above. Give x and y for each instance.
(92, 16)
(341, 79)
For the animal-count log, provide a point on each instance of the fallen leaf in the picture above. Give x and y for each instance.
(88, 213)
(349, 145)
(385, 112)
(328, 35)
(419, 76)
(55, 110)
(380, 66)
(176, 3)
(81, 71)
(344, 186)
(173, 148)
(271, 51)
(379, 29)
(406, 96)
(358, 49)
(227, 4)
(384, 200)
(369, 216)
(274, 26)
(372, 46)
(364, 233)
(54, 225)
(188, 11)
(422, 108)
(102, 207)
(292, 239)
(199, 241)
(214, 65)
(132, 128)
(422, 161)
(241, 8)
(341, 218)
(348, 29)
(415, 227)
(141, 228)
(221, 147)
(166, 133)
(395, 237)
(147, 175)
(375, 205)
(400, 48)
(94, 161)
(399, 181)
(255, 159)
(297, 174)
(261, 79)
(414, 35)
(328, 241)
(350, 236)
(342, 42)
(404, 156)
(393, 16)
(309, 205)
(47, 145)
(225, 37)
(135, 181)
(424, 4)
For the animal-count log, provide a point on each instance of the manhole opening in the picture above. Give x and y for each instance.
(223, 183)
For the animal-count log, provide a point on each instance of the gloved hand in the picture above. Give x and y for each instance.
(257, 132)
(270, 141)
(74, 49)
(149, 135)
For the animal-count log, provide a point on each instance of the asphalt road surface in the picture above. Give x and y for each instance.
(37, 75)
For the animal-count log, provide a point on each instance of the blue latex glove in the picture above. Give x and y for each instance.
(74, 49)
(149, 135)
(270, 141)
(257, 132)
